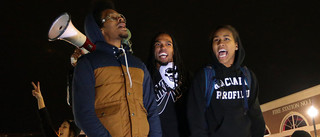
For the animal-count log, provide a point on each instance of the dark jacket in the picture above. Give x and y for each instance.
(46, 125)
(226, 115)
(104, 103)
(171, 107)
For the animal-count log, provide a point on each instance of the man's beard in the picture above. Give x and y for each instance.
(162, 63)
(123, 35)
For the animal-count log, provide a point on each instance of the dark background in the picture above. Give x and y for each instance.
(281, 39)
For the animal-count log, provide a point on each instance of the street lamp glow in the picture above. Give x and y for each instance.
(312, 112)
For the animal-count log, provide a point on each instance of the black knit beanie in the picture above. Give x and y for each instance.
(74, 127)
(300, 133)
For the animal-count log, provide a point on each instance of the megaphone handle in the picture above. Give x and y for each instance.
(89, 45)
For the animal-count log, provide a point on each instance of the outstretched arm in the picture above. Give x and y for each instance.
(46, 125)
(37, 94)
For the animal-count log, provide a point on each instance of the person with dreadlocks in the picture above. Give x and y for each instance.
(170, 84)
(223, 99)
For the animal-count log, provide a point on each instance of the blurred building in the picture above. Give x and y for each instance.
(285, 115)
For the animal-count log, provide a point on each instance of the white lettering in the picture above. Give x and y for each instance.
(218, 95)
(226, 81)
(276, 111)
(245, 82)
(231, 81)
(235, 82)
(224, 96)
(291, 106)
(239, 96)
(221, 83)
(240, 82)
(229, 95)
(234, 94)
(216, 86)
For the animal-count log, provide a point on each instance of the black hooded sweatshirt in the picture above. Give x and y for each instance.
(226, 115)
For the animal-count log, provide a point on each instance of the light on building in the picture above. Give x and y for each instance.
(313, 112)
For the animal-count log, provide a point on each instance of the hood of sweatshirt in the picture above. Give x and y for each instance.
(92, 30)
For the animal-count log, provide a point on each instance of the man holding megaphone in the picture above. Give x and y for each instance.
(112, 90)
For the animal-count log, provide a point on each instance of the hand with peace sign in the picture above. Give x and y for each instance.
(37, 94)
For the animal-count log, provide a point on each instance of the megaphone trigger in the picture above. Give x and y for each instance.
(89, 45)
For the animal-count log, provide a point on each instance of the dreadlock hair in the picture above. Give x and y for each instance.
(98, 6)
(177, 61)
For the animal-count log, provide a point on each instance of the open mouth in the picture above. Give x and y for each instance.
(163, 55)
(222, 53)
(60, 132)
(121, 25)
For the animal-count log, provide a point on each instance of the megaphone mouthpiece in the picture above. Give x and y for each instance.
(63, 29)
(59, 26)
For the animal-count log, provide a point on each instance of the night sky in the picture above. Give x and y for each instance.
(281, 39)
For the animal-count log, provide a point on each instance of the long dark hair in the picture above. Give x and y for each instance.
(74, 131)
(151, 65)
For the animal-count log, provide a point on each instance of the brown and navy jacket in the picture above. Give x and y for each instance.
(104, 104)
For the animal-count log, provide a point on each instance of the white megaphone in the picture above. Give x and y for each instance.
(63, 29)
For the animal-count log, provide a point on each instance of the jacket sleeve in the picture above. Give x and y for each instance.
(196, 106)
(46, 125)
(151, 106)
(257, 121)
(84, 99)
